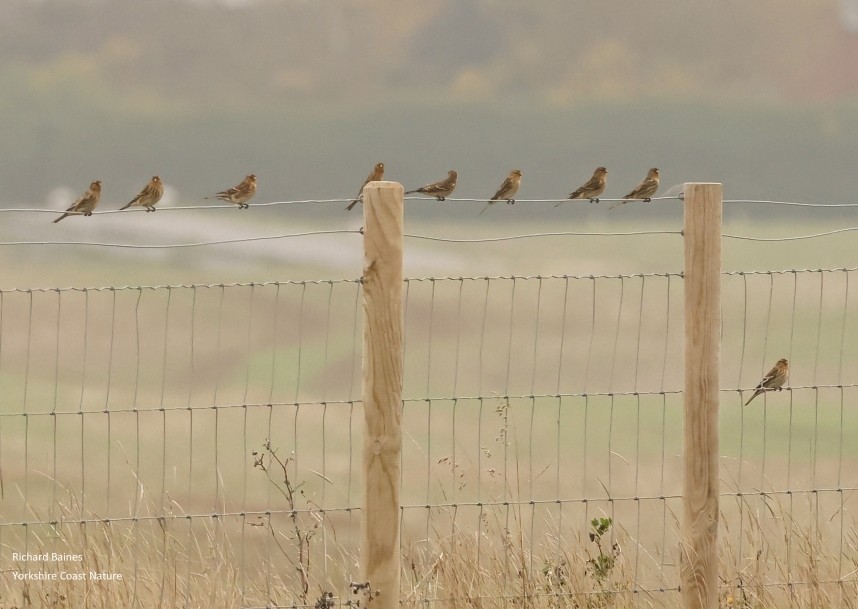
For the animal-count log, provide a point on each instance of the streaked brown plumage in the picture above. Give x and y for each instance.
(375, 175)
(644, 190)
(440, 190)
(149, 196)
(774, 380)
(239, 194)
(86, 203)
(507, 190)
(593, 188)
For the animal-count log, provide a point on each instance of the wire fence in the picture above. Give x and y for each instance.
(204, 441)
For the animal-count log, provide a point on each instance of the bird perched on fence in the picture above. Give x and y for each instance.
(440, 190)
(86, 203)
(375, 175)
(149, 196)
(774, 380)
(644, 190)
(593, 188)
(507, 190)
(239, 194)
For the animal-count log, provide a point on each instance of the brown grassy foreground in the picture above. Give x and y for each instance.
(169, 562)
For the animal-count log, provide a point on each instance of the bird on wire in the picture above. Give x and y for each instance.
(645, 190)
(507, 190)
(592, 189)
(149, 196)
(774, 380)
(440, 190)
(86, 203)
(239, 194)
(375, 175)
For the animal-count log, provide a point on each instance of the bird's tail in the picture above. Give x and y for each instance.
(411, 192)
(561, 202)
(352, 204)
(489, 204)
(756, 393)
(127, 205)
(60, 218)
(617, 204)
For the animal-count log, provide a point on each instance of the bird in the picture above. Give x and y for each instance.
(440, 190)
(86, 203)
(149, 196)
(644, 190)
(592, 189)
(375, 175)
(775, 379)
(239, 194)
(507, 190)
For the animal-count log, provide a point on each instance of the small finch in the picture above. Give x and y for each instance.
(644, 190)
(440, 190)
(507, 190)
(149, 196)
(86, 203)
(592, 189)
(239, 194)
(775, 379)
(375, 175)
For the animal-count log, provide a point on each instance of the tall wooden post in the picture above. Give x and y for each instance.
(382, 390)
(699, 552)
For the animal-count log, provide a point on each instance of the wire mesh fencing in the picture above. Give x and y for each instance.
(204, 441)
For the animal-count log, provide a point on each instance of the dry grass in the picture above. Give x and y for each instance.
(166, 563)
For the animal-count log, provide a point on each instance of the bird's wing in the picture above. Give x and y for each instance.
(771, 376)
(507, 184)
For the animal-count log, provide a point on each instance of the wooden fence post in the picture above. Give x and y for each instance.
(382, 391)
(699, 550)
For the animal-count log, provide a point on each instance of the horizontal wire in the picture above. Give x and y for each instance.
(326, 232)
(791, 203)
(563, 200)
(407, 198)
(420, 506)
(795, 238)
(622, 499)
(192, 286)
(260, 284)
(184, 245)
(292, 202)
(530, 235)
(423, 237)
(170, 208)
(539, 277)
(177, 517)
(415, 400)
(792, 271)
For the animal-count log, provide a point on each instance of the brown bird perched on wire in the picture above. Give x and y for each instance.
(774, 380)
(507, 190)
(375, 175)
(149, 196)
(239, 194)
(644, 190)
(86, 203)
(592, 189)
(440, 190)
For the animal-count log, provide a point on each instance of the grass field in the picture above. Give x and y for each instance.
(531, 407)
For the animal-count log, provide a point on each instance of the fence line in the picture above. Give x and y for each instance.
(531, 405)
